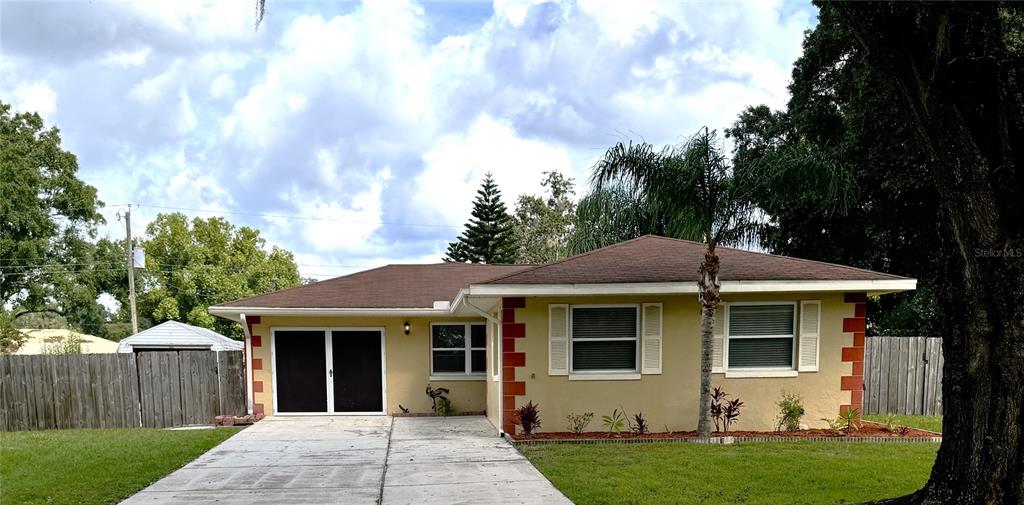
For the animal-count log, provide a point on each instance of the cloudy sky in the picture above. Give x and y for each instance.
(355, 134)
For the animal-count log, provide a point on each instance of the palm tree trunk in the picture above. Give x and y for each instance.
(709, 299)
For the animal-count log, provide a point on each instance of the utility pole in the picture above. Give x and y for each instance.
(130, 253)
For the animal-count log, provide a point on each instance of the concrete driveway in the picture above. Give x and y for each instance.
(358, 460)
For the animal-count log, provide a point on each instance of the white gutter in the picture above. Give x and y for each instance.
(649, 288)
(233, 313)
(249, 396)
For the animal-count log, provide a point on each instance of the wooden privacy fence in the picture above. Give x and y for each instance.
(159, 389)
(903, 375)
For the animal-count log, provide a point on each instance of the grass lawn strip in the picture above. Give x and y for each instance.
(927, 423)
(94, 466)
(749, 473)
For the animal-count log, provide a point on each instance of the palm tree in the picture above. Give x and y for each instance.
(693, 192)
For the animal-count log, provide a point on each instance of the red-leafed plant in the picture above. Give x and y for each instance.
(723, 412)
(528, 417)
(639, 425)
(730, 413)
(717, 395)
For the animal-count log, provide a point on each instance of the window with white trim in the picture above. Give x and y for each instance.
(458, 349)
(761, 336)
(605, 338)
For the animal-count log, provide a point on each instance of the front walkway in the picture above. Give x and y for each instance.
(358, 460)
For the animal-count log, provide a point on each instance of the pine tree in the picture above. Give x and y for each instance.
(488, 237)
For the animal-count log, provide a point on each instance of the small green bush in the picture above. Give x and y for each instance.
(791, 410)
(614, 422)
(578, 422)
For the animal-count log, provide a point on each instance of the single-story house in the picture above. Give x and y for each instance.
(175, 336)
(43, 341)
(617, 327)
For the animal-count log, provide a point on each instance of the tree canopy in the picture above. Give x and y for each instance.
(47, 218)
(878, 211)
(955, 71)
(543, 224)
(488, 236)
(192, 264)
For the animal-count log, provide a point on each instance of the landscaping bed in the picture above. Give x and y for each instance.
(869, 431)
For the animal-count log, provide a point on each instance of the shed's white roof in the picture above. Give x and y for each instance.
(173, 334)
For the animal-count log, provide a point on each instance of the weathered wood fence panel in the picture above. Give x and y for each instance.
(903, 375)
(150, 389)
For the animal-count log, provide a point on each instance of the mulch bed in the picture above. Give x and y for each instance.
(867, 430)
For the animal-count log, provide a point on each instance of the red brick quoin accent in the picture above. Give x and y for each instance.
(510, 360)
(257, 364)
(854, 383)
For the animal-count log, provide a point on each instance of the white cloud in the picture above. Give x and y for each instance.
(126, 58)
(362, 115)
(457, 163)
(36, 97)
(339, 228)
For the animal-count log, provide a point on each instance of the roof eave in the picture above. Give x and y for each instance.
(235, 313)
(872, 287)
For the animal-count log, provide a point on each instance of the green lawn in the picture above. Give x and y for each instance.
(94, 466)
(929, 423)
(768, 473)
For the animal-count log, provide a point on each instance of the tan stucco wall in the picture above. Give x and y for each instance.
(670, 399)
(407, 361)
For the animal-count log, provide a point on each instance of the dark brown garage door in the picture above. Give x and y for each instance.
(318, 375)
(300, 365)
(356, 357)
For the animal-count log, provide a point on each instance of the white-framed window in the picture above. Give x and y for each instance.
(760, 336)
(458, 349)
(604, 338)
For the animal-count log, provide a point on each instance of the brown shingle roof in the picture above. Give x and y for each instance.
(391, 286)
(645, 259)
(658, 259)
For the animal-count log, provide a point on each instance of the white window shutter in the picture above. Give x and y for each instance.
(718, 349)
(650, 339)
(558, 339)
(810, 333)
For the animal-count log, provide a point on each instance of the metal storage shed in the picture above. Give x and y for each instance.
(175, 336)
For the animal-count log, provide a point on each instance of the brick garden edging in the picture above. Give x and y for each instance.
(721, 440)
(431, 414)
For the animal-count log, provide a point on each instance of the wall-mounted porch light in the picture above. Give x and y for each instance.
(407, 327)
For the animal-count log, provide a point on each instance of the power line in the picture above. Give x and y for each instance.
(184, 269)
(40, 265)
(284, 216)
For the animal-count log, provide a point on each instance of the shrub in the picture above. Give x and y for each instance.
(902, 430)
(614, 422)
(890, 423)
(717, 395)
(528, 417)
(846, 422)
(850, 420)
(443, 407)
(833, 425)
(71, 344)
(724, 413)
(730, 413)
(578, 422)
(439, 402)
(639, 425)
(791, 410)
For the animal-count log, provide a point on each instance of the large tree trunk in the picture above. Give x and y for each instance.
(962, 95)
(709, 299)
